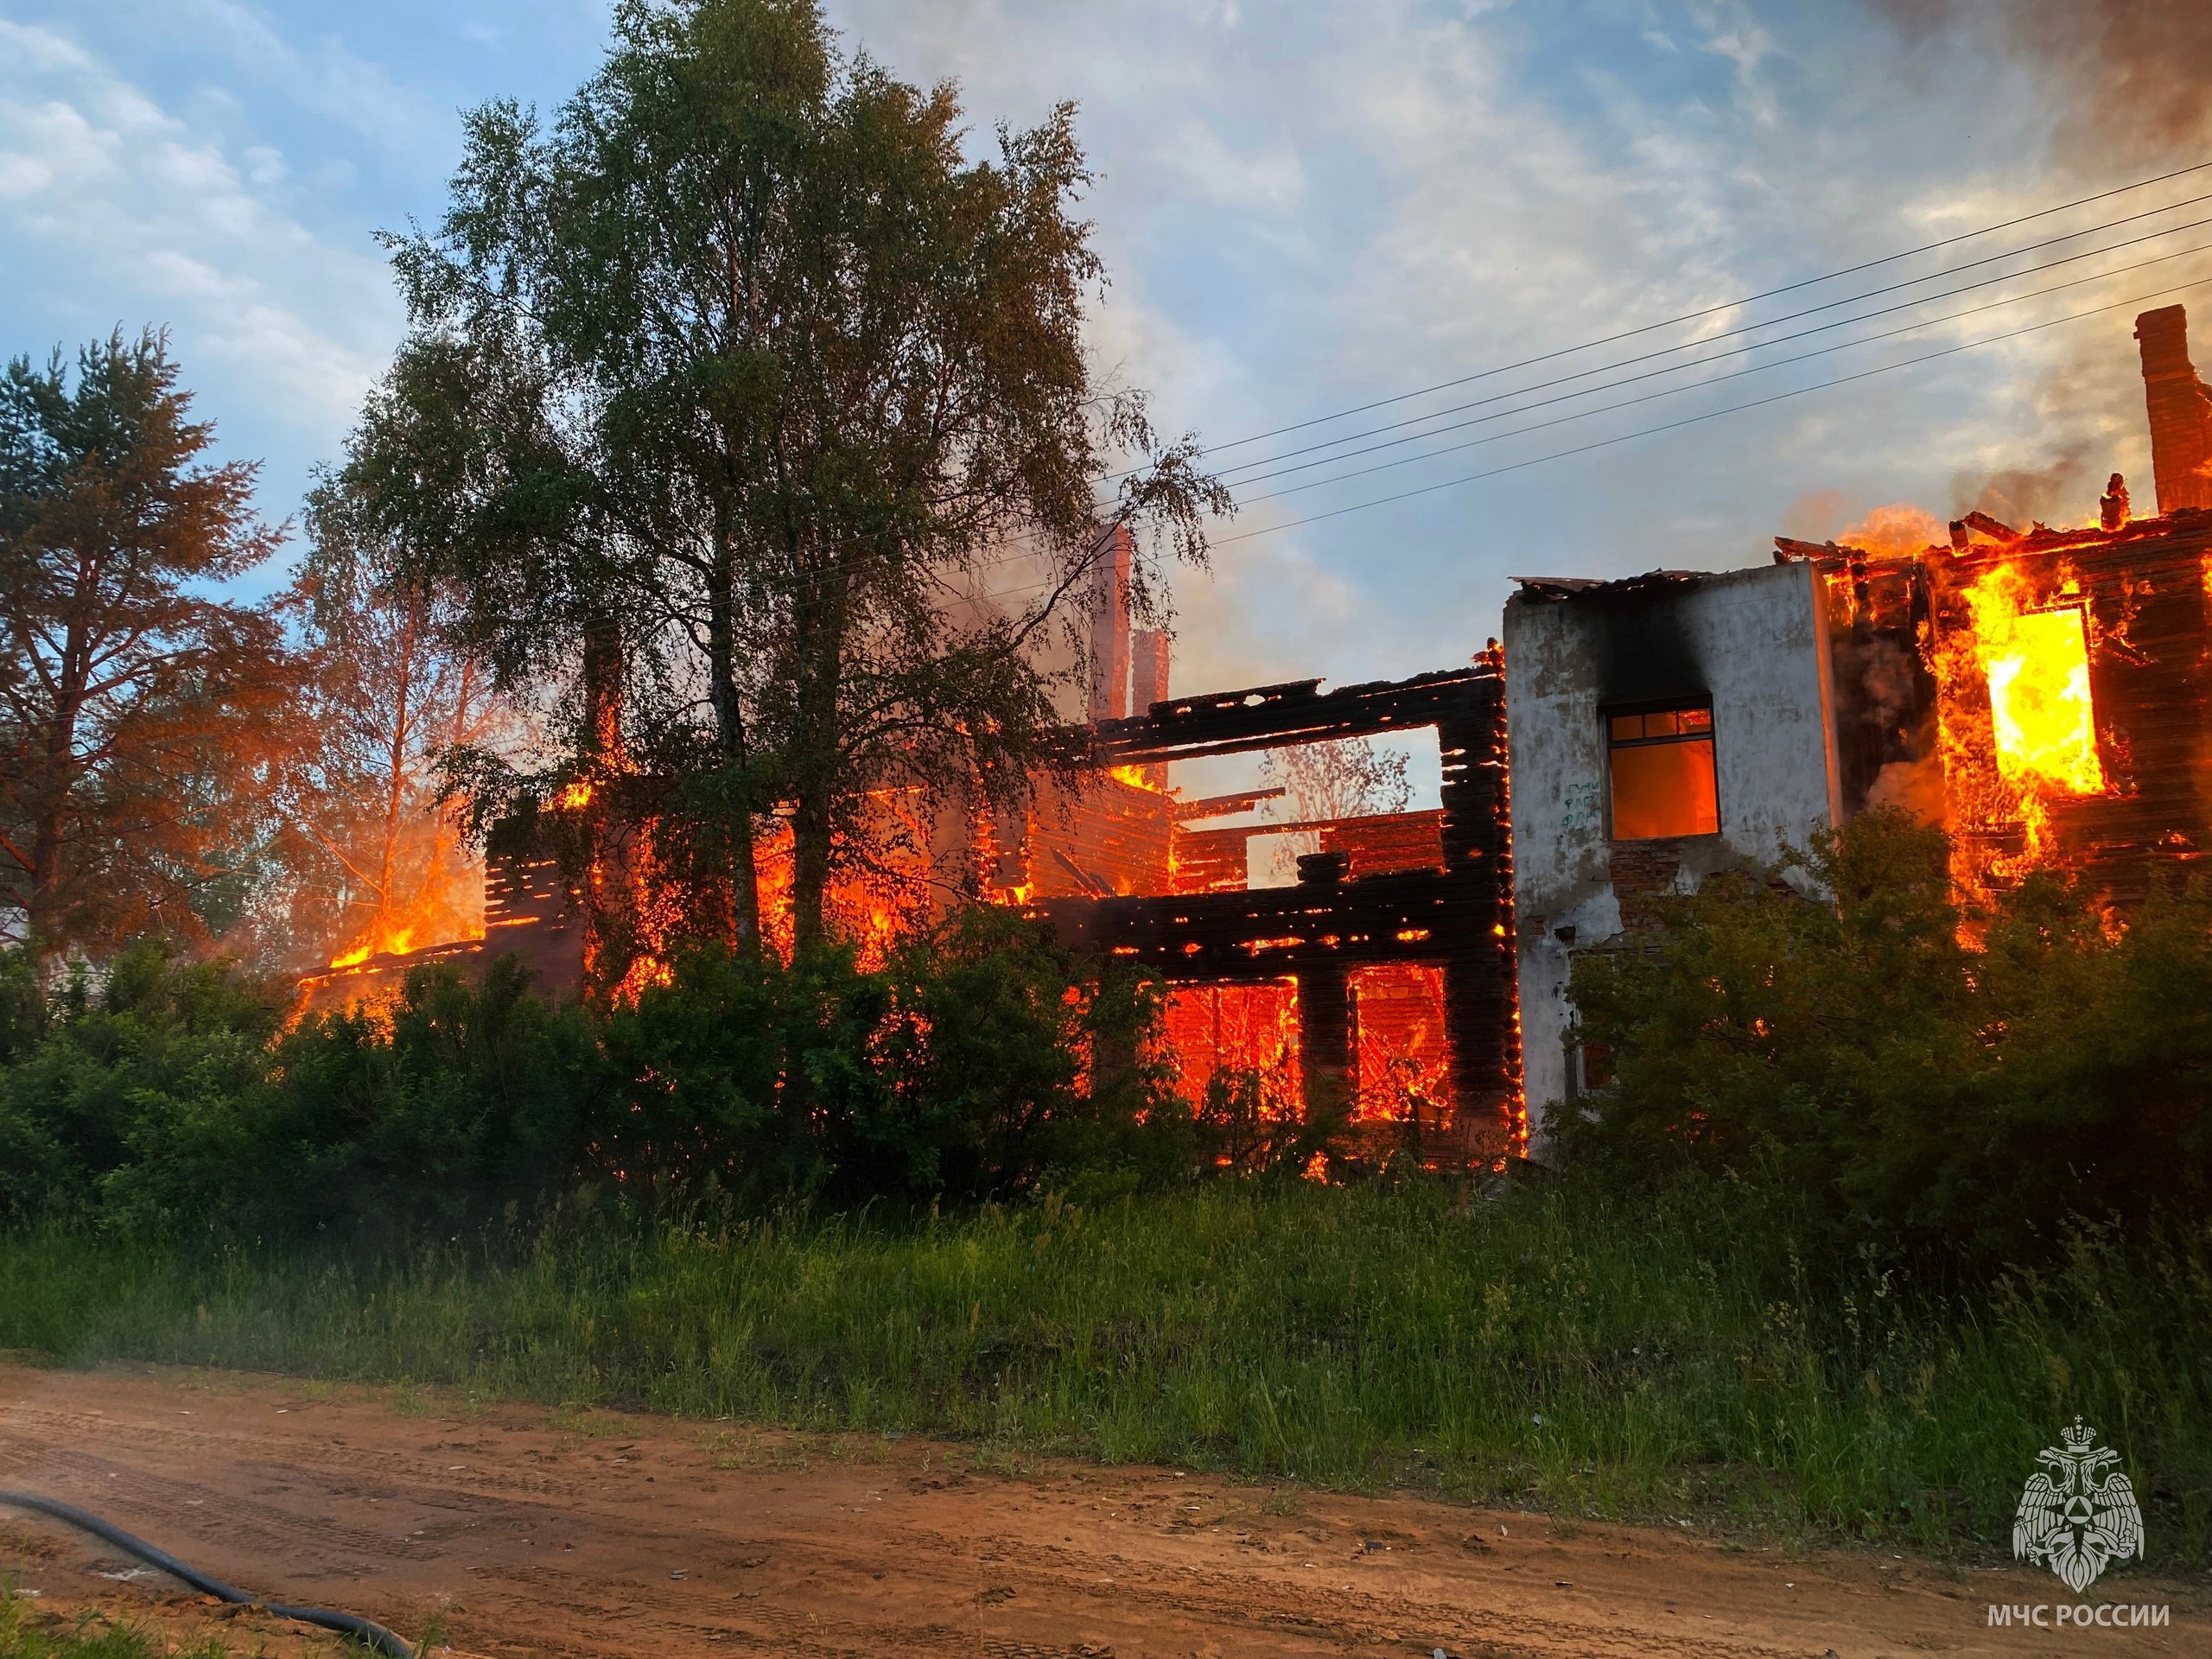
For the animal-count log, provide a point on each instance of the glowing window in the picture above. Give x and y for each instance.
(2045, 727)
(1662, 773)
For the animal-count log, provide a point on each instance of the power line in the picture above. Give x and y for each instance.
(1793, 316)
(1671, 426)
(1692, 420)
(1690, 316)
(1843, 322)
(1712, 380)
(1707, 311)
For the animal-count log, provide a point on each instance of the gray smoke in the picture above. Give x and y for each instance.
(2130, 76)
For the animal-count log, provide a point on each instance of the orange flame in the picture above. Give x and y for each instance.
(1404, 1060)
(2018, 723)
(447, 909)
(1210, 1029)
(383, 940)
(1144, 777)
(2037, 666)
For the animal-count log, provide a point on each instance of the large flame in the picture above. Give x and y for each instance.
(1404, 1060)
(2017, 721)
(380, 941)
(446, 906)
(2037, 666)
(1213, 1029)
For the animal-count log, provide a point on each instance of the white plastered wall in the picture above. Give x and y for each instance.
(1756, 641)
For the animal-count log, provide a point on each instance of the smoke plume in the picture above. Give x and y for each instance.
(2064, 493)
(2129, 76)
(1895, 532)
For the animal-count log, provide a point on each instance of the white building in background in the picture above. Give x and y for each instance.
(1661, 728)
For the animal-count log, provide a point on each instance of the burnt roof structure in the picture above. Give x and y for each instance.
(1458, 917)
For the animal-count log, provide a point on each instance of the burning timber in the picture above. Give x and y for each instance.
(1455, 915)
(2044, 693)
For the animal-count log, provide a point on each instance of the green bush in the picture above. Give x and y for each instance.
(84, 1074)
(983, 1061)
(1914, 1092)
(459, 1098)
(173, 1099)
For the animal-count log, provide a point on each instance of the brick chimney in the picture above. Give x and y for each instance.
(1108, 697)
(2180, 409)
(1148, 683)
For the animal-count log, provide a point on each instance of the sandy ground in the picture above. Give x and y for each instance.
(609, 1535)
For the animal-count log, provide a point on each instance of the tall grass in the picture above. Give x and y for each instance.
(27, 1631)
(1668, 1358)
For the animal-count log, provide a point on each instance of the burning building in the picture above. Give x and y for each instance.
(1382, 978)
(2042, 692)
(1390, 961)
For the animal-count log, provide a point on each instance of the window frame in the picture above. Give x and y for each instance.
(1709, 736)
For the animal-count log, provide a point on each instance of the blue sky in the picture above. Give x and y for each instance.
(1303, 206)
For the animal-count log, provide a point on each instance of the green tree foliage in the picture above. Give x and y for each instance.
(1018, 1063)
(729, 384)
(139, 719)
(1915, 1092)
(983, 1062)
(460, 1099)
(89, 1076)
(173, 1097)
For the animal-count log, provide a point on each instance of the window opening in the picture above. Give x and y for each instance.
(1662, 773)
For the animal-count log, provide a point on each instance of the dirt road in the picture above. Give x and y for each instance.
(608, 1535)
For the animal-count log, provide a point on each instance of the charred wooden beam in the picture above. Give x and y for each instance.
(1458, 917)
(1272, 716)
(1222, 806)
(1274, 932)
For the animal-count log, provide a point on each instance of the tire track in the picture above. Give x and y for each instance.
(547, 1542)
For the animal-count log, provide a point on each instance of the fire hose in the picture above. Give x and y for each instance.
(361, 1629)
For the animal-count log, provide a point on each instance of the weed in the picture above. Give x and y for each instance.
(1656, 1357)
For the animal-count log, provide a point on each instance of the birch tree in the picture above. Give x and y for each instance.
(821, 371)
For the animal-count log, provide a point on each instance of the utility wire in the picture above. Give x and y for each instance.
(1671, 426)
(1337, 444)
(1743, 350)
(1707, 311)
(1710, 414)
(1792, 316)
(1694, 385)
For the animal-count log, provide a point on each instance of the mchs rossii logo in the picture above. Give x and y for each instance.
(2077, 1517)
(2079, 1514)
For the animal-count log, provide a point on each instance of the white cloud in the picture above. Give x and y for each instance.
(325, 78)
(1262, 180)
(1302, 208)
(1731, 32)
(124, 211)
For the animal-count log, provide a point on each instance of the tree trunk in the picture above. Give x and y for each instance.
(395, 803)
(42, 915)
(730, 738)
(442, 831)
(816, 773)
(602, 737)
